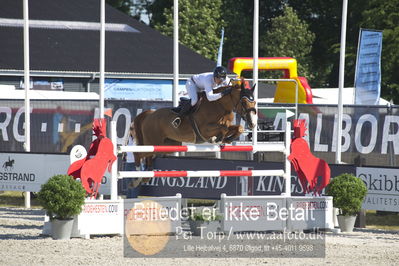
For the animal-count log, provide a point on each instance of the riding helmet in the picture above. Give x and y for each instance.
(220, 72)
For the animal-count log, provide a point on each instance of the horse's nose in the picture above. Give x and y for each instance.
(251, 125)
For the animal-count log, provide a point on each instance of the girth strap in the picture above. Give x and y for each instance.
(194, 125)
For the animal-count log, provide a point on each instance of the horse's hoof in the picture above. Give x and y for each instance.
(145, 180)
(227, 141)
(135, 183)
(213, 140)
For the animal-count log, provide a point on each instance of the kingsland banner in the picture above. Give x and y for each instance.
(370, 133)
(212, 187)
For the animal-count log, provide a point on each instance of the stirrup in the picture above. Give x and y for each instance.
(176, 122)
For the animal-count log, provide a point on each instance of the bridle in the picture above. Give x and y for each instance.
(244, 111)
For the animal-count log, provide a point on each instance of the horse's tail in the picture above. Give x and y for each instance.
(138, 123)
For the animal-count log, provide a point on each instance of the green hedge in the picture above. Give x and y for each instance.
(348, 193)
(62, 197)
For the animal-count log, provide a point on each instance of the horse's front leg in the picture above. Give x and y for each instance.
(137, 160)
(233, 133)
(149, 163)
(215, 133)
(149, 166)
(135, 182)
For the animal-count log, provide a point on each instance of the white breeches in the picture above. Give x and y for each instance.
(192, 91)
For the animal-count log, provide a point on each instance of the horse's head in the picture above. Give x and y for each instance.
(247, 104)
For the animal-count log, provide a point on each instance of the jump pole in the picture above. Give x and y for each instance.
(114, 168)
(274, 147)
(209, 173)
(287, 163)
(284, 148)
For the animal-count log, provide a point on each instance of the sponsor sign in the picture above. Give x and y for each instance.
(365, 129)
(213, 187)
(201, 187)
(56, 126)
(318, 212)
(142, 89)
(370, 133)
(101, 217)
(27, 172)
(53, 84)
(383, 188)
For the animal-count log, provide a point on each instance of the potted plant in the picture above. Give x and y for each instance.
(348, 193)
(62, 197)
(205, 220)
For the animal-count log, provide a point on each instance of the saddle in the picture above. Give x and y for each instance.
(184, 101)
(185, 109)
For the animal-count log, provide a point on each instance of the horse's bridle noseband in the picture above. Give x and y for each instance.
(244, 110)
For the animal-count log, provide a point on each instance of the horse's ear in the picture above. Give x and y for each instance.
(253, 87)
(242, 83)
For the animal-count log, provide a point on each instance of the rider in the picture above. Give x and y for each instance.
(204, 82)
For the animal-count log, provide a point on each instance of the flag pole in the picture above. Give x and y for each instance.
(175, 92)
(27, 87)
(341, 81)
(102, 57)
(255, 61)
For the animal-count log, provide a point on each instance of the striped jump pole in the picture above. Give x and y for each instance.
(272, 147)
(283, 147)
(210, 173)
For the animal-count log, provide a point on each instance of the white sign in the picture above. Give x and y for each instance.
(383, 188)
(263, 213)
(253, 213)
(320, 209)
(27, 172)
(107, 217)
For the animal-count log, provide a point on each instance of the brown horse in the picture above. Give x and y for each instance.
(210, 122)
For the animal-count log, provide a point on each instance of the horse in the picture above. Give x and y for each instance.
(211, 121)
(8, 164)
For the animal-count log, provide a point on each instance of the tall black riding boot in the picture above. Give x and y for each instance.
(185, 109)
